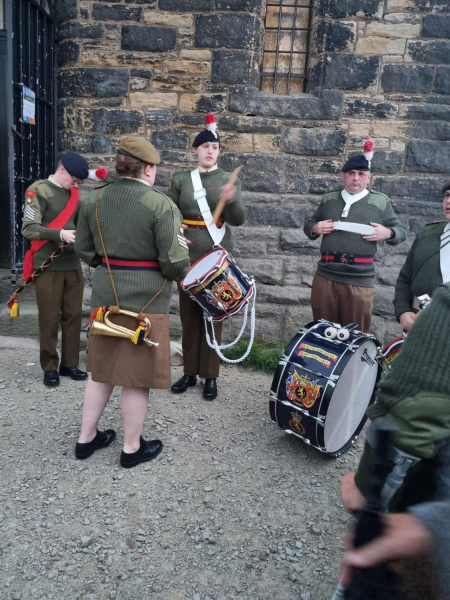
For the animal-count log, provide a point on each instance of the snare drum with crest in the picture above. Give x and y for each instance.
(218, 284)
(324, 383)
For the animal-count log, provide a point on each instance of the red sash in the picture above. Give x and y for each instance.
(57, 223)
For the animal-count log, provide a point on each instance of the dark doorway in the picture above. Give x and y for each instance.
(30, 33)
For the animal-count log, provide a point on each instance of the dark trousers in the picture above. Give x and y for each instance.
(59, 297)
(199, 358)
(342, 303)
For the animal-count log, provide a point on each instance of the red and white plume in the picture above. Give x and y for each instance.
(368, 150)
(97, 174)
(211, 124)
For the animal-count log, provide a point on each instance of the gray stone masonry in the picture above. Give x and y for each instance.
(378, 69)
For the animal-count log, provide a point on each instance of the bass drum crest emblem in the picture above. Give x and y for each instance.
(301, 390)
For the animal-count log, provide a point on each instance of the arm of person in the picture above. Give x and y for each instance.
(403, 298)
(174, 191)
(316, 225)
(173, 253)
(235, 212)
(84, 241)
(392, 222)
(32, 227)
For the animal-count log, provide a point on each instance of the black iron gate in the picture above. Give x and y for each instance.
(33, 67)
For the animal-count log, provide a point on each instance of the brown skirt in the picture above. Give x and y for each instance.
(118, 361)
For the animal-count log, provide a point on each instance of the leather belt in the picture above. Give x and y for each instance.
(195, 223)
(348, 259)
(135, 265)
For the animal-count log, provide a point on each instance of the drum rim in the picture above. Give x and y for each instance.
(217, 265)
(328, 391)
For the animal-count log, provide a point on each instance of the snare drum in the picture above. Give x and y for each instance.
(218, 285)
(323, 385)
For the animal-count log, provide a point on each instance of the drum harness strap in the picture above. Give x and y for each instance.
(200, 196)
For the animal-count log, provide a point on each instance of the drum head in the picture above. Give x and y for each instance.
(198, 271)
(351, 398)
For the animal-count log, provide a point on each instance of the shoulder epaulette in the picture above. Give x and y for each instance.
(379, 194)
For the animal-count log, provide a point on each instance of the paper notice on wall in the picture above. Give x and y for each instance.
(28, 106)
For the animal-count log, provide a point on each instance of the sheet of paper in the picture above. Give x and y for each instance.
(353, 227)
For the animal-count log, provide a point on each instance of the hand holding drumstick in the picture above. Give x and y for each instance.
(227, 193)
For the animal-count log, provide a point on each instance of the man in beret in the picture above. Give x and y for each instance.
(343, 287)
(50, 217)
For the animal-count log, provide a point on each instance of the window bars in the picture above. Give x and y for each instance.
(286, 46)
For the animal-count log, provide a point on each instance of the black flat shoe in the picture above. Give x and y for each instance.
(183, 384)
(148, 450)
(73, 373)
(210, 389)
(51, 378)
(101, 440)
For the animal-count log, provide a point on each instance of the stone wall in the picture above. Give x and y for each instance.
(378, 69)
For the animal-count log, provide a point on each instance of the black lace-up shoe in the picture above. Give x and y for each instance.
(183, 384)
(73, 373)
(101, 440)
(210, 389)
(148, 450)
(51, 378)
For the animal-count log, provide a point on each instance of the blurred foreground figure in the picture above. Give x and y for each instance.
(414, 399)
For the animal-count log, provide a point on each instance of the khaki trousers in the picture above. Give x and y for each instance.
(199, 358)
(59, 297)
(342, 303)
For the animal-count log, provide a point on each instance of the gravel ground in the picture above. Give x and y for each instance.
(233, 508)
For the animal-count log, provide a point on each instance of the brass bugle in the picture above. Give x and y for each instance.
(108, 328)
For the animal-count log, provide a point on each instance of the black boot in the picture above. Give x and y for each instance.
(51, 378)
(210, 389)
(183, 384)
(148, 450)
(101, 440)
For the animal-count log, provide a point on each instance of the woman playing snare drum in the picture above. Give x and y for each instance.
(199, 358)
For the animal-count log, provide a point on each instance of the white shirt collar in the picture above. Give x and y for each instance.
(137, 179)
(52, 180)
(202, 170)
(350, 199)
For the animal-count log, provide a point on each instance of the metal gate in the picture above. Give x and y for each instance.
(33, 66)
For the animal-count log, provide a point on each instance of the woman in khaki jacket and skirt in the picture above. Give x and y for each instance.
(134, 238)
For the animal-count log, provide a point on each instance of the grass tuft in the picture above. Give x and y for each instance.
(264, 355)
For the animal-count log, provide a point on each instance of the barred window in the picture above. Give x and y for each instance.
(286, 46)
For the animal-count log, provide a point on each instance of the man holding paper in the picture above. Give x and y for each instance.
(351, 222)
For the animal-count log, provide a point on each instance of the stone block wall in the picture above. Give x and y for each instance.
(378, 68)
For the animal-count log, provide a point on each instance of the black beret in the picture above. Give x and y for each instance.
(356, 163)
(75, 164)
(446, 186)
(205, 136)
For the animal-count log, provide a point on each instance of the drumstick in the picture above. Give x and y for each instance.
(221, 205)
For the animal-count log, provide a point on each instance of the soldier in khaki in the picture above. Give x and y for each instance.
(133, 236)
(50, 216)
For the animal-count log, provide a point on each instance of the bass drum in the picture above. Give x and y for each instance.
(323, 385)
